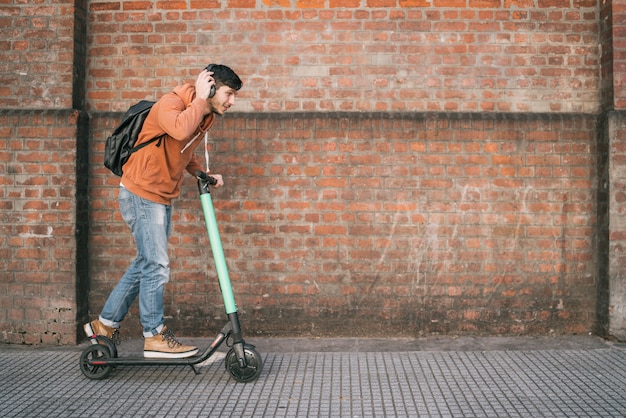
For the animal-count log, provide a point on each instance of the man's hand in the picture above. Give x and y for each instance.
(218, 177)
(203, 84)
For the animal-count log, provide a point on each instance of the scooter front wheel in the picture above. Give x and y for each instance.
(108, 344)
(253, 368)
(95, 353)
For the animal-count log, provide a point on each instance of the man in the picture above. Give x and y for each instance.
(151, 180)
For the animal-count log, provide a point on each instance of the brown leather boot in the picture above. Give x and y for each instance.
(165, 345)
(96, 327)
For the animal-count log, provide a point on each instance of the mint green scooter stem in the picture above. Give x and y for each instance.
(218, 251)
(204, 181)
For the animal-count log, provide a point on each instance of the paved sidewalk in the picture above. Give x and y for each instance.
(430, 377)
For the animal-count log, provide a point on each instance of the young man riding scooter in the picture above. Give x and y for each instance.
(151, 180)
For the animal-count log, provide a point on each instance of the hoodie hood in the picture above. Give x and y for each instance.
(187, 93)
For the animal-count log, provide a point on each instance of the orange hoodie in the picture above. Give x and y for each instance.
(156, 172)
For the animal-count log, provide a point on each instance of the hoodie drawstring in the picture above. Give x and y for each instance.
(206, 147)
(190, 142)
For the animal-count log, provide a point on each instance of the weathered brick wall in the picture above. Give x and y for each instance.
(422, 222)
(37, 50)
(381, 224)
(38, 242)
(353, 55)
(43, 136)
(403, 167)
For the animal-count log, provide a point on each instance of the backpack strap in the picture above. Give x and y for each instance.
(140, 146)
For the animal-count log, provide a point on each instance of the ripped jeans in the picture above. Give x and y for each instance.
(150, 224)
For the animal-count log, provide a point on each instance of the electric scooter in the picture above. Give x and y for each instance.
(244, 363)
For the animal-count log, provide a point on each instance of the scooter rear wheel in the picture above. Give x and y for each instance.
(251, 371)
(92, 353)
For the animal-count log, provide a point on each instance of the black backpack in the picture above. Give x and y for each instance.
(121, 143)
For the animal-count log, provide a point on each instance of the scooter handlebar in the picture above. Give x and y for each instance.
(201, 175)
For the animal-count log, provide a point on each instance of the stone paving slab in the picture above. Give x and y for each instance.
(584, 377)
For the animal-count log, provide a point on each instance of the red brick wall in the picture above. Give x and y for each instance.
(40, 149)
(38, 215)
(618, 50)
(413, 55)
(374, 224)
(402, 167)
(420, 223)
(37, 52)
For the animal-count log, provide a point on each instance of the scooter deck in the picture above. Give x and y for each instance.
(134, 360)
(147, 361)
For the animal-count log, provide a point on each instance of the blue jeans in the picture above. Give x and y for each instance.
(150, 224)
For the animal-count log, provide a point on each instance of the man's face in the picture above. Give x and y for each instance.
(224, 98)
